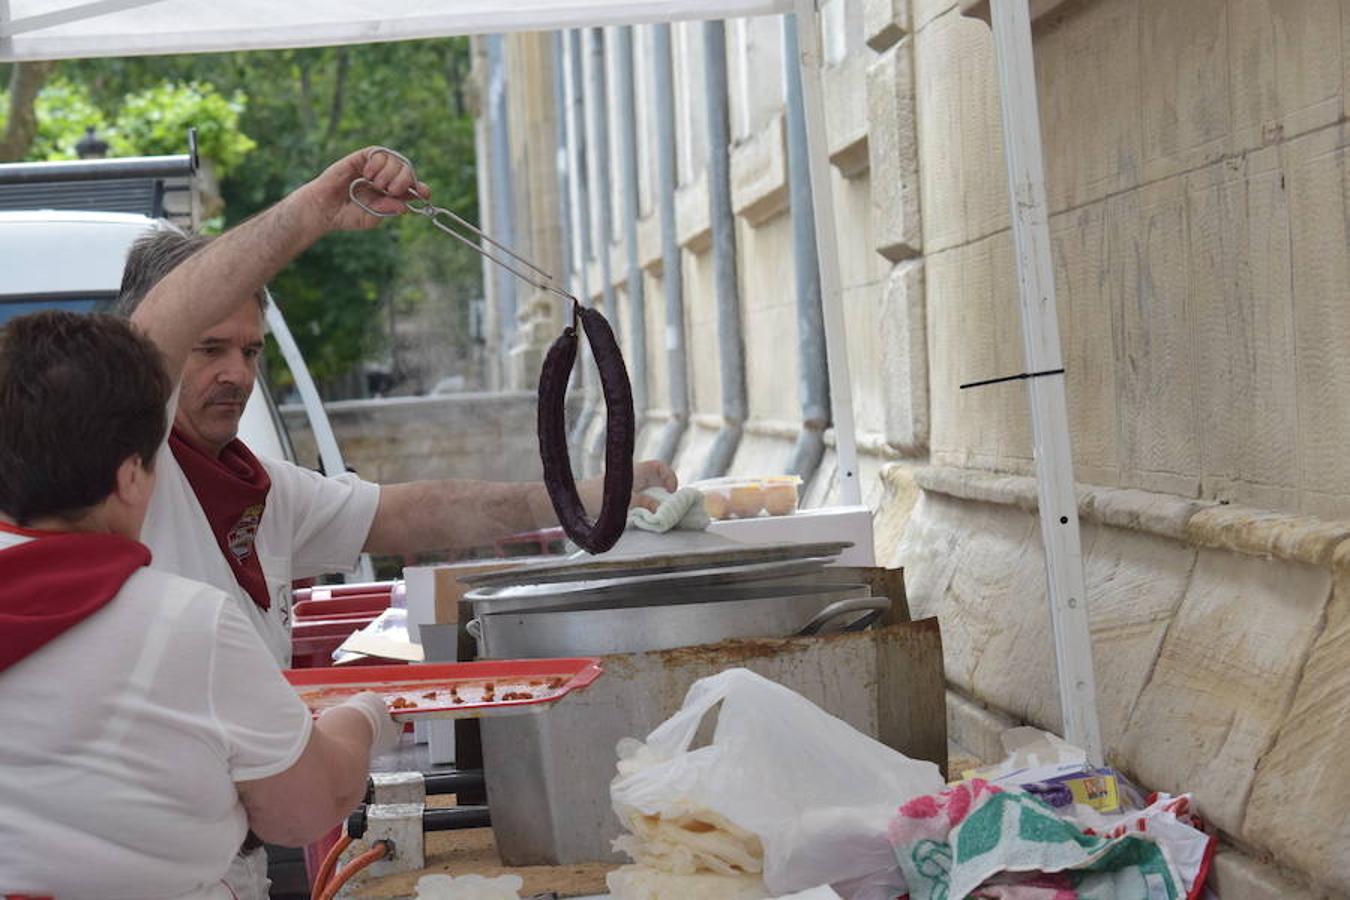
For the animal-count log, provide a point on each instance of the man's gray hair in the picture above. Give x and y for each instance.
(151, 258)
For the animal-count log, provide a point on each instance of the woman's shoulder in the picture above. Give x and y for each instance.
(172, 593)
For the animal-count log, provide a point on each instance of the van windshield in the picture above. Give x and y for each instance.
(12, 306)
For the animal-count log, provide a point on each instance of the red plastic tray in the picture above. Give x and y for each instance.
(542, 680)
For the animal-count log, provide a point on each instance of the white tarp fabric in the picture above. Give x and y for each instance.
(64, 29)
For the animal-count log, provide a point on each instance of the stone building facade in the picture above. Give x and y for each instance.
(1198, 174)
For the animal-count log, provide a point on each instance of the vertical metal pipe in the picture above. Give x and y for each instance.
(560, 162)
(730, 347)
(503, 204)
(598, 104)
(581, 233)
(827, 243)
(813, 371)
(672, 273)
(628, 158)
(485, 332)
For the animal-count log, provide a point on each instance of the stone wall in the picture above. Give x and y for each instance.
(484, 436)
(1196, 167)
(1198, 175)
(1220, 644)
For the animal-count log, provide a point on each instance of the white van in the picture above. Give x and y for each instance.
(73, 260)
(63, 259)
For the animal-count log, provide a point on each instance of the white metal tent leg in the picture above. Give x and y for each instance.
(827, 247)
(79, 12)
(1011, 21)
(330, 454)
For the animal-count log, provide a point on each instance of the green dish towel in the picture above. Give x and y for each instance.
(682, 509)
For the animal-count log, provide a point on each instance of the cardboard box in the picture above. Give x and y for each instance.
(434, 592)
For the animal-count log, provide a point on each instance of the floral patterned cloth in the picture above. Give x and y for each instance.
(978, 840)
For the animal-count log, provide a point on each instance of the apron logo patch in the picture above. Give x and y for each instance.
(244, 532)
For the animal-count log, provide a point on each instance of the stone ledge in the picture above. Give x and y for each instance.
(693, 223)
(846, 124)
(759, 177)
(1256, 532)
(893, 148)
(885, 22)
(419, 403)
(985, 487)
(1160, 514)
(905, 369)
(976, 728)
(1238, 529)
(649, 244)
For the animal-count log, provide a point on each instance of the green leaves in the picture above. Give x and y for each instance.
(63, 109)
(270, 121)
(156, 120)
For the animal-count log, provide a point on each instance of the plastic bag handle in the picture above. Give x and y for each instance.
(676, 733)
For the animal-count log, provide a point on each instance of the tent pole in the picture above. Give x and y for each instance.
(827, 247)
(1011, 21)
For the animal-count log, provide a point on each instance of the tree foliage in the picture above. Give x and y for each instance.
(153, 121)
(304, 109)
(150, 122)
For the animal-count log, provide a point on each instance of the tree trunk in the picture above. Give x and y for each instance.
(25, 80)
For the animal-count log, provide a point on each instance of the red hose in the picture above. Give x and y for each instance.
(379, 851)
(329, 864)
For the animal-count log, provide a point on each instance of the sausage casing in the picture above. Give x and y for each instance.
(620, 434)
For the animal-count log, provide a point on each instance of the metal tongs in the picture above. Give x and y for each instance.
(449, 221)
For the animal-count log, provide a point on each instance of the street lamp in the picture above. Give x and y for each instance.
(91, 146)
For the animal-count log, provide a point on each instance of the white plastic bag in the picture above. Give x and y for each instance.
(469, 887)
(817, 792)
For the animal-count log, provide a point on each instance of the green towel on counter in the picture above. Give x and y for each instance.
(682, 509)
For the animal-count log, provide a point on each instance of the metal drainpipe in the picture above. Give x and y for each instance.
(560, 163)
(813, 379)
(672, 272)
(730, 348)
(599, 105)
(503, 205)
(637, 303)
(581, 236)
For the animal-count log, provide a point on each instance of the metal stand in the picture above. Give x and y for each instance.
(1011, 21)
(827, 246)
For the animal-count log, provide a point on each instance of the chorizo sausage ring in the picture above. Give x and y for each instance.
(620, 433)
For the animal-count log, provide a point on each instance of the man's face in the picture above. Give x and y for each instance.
(219, 378)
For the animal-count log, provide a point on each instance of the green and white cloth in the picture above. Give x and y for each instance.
(977, 840)
(682, 509)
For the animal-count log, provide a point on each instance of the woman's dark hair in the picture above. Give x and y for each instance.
(79, 395)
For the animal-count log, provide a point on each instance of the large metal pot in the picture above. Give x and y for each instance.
(683, 587)
(637, 628)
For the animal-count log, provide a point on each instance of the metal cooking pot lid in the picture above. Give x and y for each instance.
(654, 564)
(496, 599)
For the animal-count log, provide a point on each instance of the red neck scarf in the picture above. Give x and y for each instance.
(56, 581)
(232, 490)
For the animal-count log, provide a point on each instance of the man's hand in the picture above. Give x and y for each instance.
(652, 473)
(434, 515)
(390, 181)
(646, 474)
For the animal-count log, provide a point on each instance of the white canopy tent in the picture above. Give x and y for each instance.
(59, 29)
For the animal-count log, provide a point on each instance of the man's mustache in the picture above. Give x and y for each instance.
(227, 395)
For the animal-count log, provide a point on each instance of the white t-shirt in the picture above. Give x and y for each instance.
(121, 741)
(311, 525)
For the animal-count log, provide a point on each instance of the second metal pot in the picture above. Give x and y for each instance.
(642, 628)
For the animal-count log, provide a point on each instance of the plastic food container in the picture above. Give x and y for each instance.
(745, 498)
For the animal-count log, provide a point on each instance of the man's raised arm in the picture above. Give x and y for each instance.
(209, 286)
